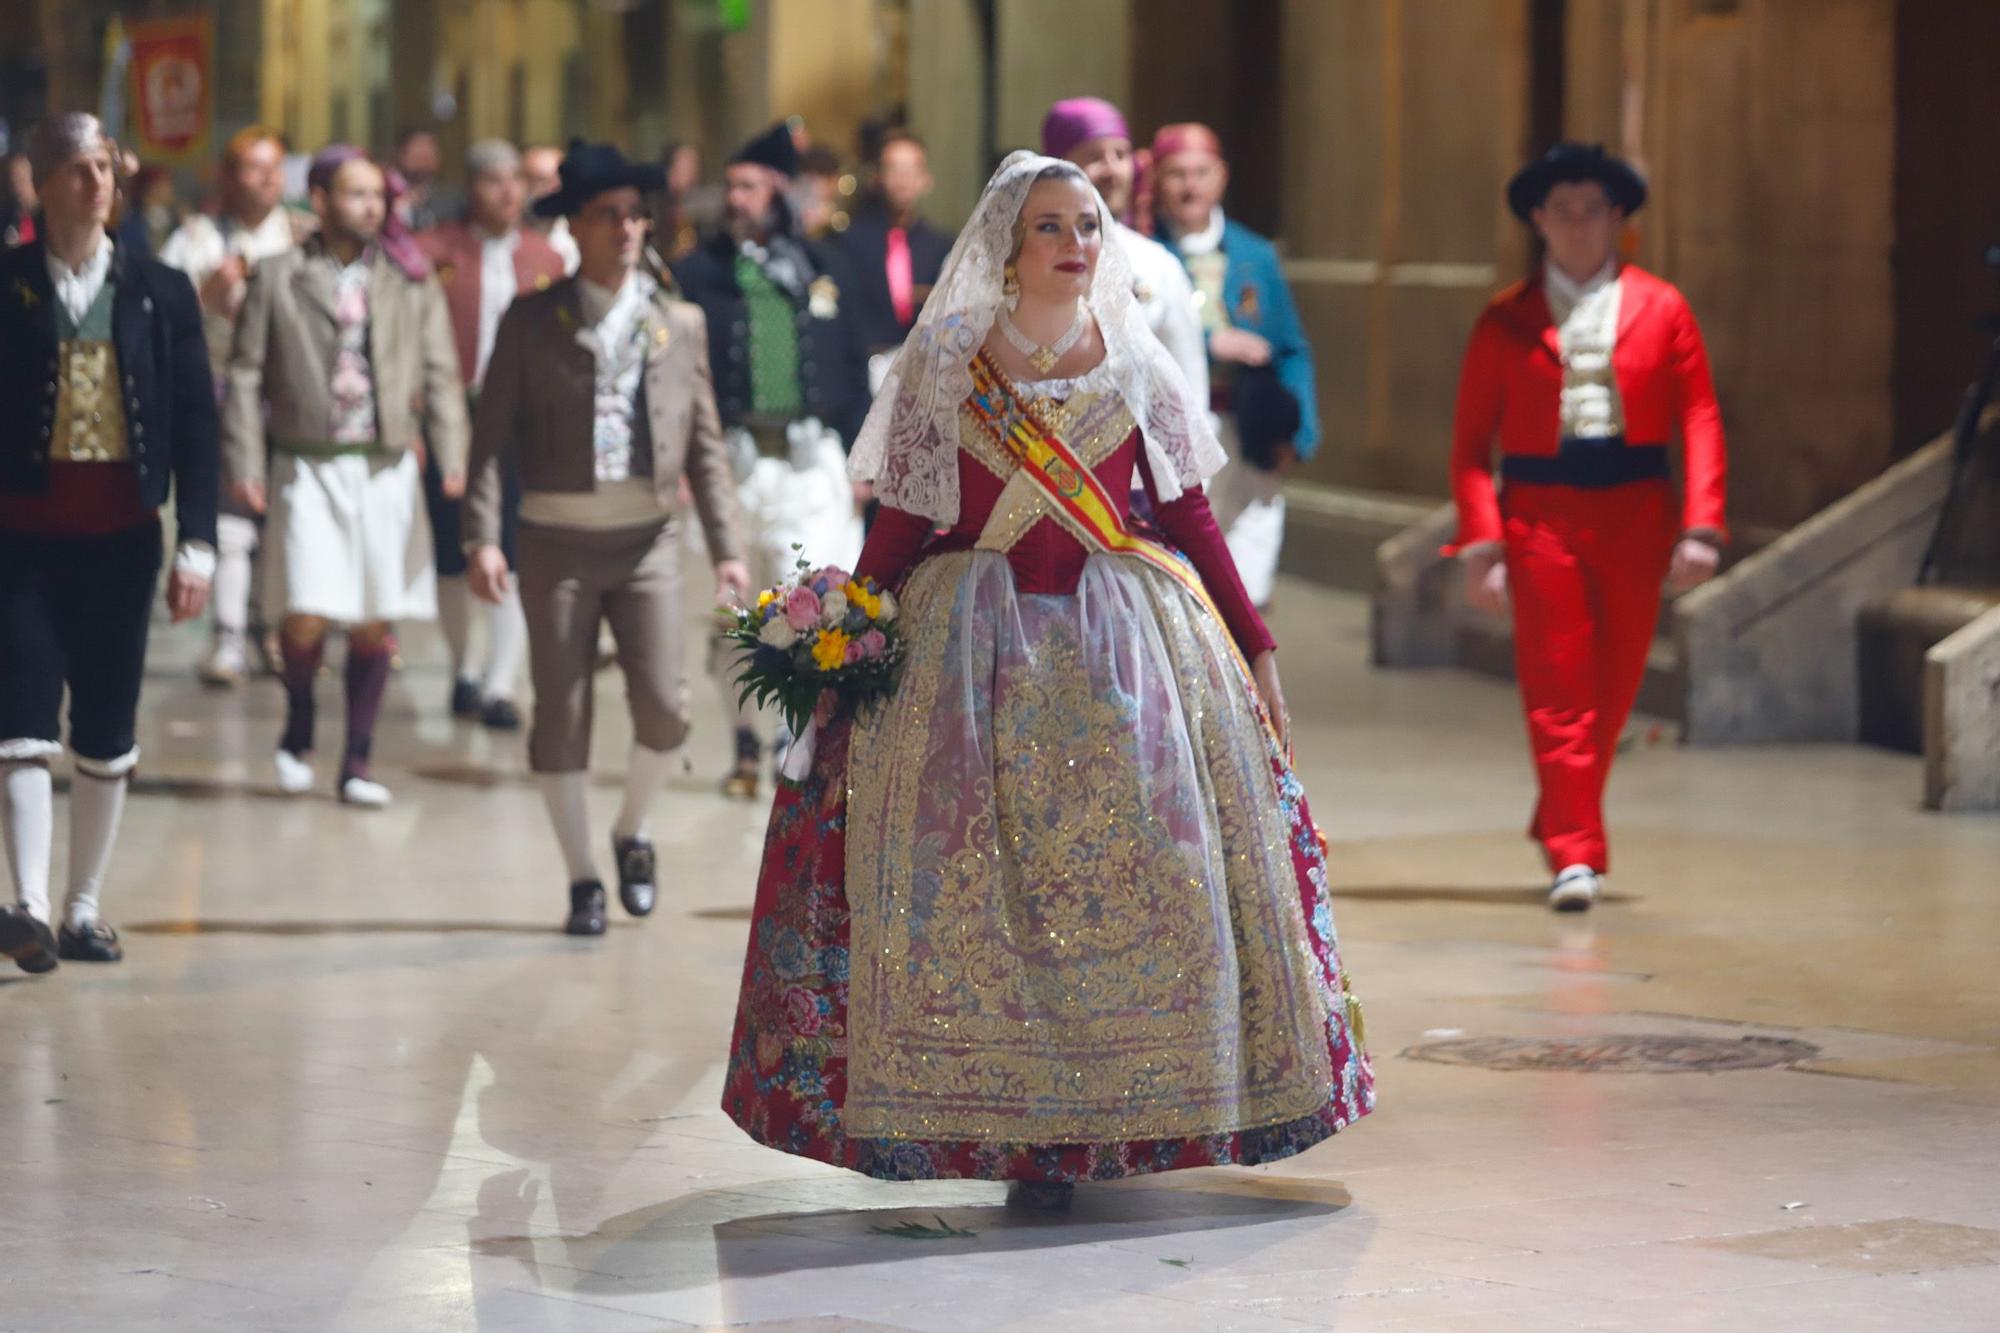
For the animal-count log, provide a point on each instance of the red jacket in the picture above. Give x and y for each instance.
(454, 249)
(1512, 386)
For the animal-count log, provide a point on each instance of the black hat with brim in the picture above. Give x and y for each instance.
(774, 148)
(1267, 415)
(1570, 163)
(588, 170)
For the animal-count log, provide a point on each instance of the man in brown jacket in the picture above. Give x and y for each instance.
(599, 392)
(342, 367)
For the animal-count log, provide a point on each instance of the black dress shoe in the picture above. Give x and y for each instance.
(464, 699)
(636, 873)
(1041, 1196)
(500, 715)
(27, 939)
(586, 908)
(95, 943)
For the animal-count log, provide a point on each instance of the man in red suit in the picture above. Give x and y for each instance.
(1584, 373)
(484, 262)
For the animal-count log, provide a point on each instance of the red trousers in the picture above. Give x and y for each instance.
(1585, 570)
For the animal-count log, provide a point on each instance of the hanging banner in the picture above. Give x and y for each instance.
(173, 89)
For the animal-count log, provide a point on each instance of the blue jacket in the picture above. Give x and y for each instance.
(1260, 301)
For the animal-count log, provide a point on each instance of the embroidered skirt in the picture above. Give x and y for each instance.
(1057, 911)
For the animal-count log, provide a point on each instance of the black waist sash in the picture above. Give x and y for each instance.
(1591, 464)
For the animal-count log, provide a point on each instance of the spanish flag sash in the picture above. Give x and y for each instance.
(1067, 481)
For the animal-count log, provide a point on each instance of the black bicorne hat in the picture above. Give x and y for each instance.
(774, 148)
(589, 169)
(1267, 415)
(1571, 162)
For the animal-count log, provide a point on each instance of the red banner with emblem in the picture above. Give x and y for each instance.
(173, 89)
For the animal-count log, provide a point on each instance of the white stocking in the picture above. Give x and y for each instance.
(645, 773)
(506, 644)
(96, 804)
(454, 603)
(563, 794)
(29, 809)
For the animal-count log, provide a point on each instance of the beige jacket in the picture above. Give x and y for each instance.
(537, 411)
(281, 363)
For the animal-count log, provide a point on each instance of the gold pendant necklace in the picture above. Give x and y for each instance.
(1044, 359)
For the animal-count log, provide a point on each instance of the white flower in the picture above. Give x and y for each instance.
(888, 607)
(833, 608)
(778, 634)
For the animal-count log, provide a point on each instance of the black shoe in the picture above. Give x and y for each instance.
(95, 943)
(586, 908)
(26, 938)
(500, 715)
(636, 871)
(1042, 1196)
(464, 699)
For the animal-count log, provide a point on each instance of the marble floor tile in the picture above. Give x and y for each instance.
(351, 1076)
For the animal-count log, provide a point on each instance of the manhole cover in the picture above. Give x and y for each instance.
(1618, 1055)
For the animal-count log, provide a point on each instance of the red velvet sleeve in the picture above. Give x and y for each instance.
(1190, 525)
(892, 546)
(1704, 457)
(1473, 424)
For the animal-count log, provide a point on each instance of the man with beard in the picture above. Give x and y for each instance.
(106, 404)
(791, 383)
(892, 252)
(1260, 366)
(483, 264)
(344, 368)
(1092, 133)
(218, 254)
(598, 391)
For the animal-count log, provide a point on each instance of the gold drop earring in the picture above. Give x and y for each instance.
(1010, 287)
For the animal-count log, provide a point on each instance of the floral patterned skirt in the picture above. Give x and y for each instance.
(1057, 911)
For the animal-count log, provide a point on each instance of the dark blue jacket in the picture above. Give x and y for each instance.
(162, 358)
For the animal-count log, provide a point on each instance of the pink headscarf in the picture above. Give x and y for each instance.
(1187, 137)
(1076, 120)
(394, 239)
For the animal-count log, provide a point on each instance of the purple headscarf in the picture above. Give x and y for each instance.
(395, 239)
(1076, 120)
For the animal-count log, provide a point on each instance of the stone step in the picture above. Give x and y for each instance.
(1892, 635)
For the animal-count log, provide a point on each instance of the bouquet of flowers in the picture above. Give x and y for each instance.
(820, 631)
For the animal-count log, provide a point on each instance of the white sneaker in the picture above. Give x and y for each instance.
(224, 666)
(362, 792)
(295, 775)
(1576, 888)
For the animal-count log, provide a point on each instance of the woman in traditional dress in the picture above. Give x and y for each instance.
(1057, 910)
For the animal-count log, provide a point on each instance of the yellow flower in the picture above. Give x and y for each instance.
(870, 604)
(830, 650)
(765, 598)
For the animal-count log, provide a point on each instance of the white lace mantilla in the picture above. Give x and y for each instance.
(908, 447)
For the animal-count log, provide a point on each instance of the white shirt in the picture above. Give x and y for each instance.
(1167, 296)
(199, 245)
(1586, 316)
(78, 287)
(619, 499)
(498, 286)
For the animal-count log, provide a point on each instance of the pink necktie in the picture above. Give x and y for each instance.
(902, 284)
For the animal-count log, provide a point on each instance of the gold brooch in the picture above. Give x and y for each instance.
(27, 293)
(824, 297)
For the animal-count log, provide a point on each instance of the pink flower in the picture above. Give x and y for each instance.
(802, 1011)
(835, 577)
(802, 609)
(873, 644)
(854, 653)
